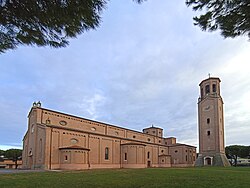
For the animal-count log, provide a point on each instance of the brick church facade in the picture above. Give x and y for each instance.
(56, 140)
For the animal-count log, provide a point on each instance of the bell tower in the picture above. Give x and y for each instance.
(211, 125)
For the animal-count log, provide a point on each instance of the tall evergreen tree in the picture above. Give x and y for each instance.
(231, 17)
(47, 23)
(43, 22)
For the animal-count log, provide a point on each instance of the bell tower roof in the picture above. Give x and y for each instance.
(210, 78)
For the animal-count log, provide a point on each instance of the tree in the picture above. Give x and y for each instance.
(231, 17)
(47, 23)
(13, 154)
(2, 152)
(235, 151)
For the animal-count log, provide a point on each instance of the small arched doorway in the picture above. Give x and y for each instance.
(208, 161)
(149, 164)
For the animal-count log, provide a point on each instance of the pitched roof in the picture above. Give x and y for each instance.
(73, 147)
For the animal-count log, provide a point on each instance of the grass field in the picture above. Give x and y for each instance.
(152, 177)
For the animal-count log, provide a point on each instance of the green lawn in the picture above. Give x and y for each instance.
(153, 177)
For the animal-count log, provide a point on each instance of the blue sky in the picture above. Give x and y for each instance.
(142, 66)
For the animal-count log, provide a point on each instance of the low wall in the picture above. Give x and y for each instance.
(133, 166)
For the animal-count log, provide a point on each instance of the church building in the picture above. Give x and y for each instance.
(56, 140)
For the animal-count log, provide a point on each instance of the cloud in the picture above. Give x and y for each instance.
(91, 105)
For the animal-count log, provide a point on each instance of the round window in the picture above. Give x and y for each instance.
(63, 123)
(74, 141)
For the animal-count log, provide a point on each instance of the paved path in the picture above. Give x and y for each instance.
(13, 171)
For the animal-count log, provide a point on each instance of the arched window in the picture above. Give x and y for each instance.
(40, 148)
(208, 133)
(207, 89)
(208, 120)
(32, 128)
(148, 155)
(125, 156)
(201, 92)
(214, 88)
(106, 153)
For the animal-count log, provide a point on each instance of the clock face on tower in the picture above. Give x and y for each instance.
(207, 108)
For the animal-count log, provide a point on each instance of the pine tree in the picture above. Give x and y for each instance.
(47, 23)
(231, 17)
